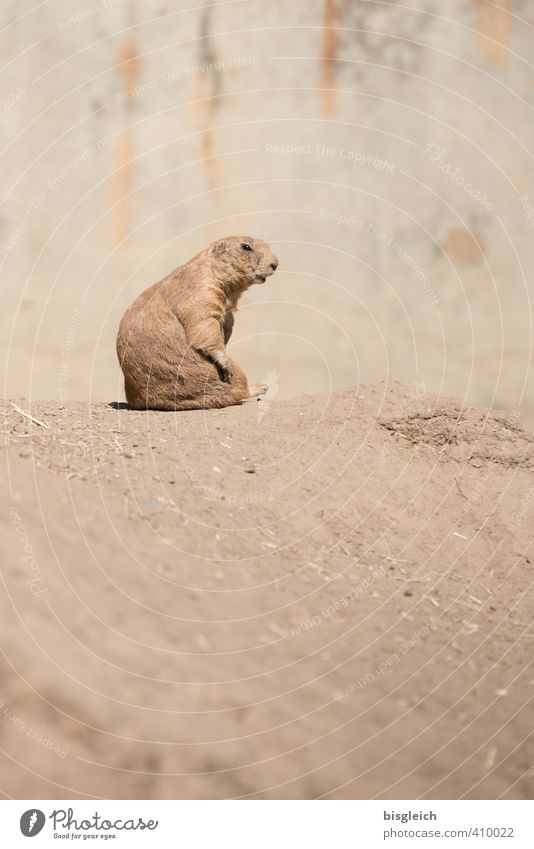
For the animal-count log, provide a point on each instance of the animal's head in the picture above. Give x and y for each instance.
(244, 260)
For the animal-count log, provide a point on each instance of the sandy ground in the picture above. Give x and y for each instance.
(325, 597)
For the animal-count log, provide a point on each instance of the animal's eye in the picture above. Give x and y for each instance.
(246, 247)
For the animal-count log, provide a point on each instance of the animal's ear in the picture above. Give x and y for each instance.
(218, 247)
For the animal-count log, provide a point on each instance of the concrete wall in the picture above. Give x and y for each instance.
(384, 151)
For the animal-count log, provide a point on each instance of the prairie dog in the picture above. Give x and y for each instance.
(172, 340)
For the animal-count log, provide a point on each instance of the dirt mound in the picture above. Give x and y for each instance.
(325, 597)
(474, 434)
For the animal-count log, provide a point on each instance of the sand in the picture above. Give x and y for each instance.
(329, 597)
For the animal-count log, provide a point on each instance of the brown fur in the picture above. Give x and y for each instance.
(172, 340)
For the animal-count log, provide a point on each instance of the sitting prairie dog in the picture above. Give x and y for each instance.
(172, 340)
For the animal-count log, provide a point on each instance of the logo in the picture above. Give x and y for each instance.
(32, 822)
(264, 401)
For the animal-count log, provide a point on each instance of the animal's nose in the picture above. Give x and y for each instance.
(274, 264)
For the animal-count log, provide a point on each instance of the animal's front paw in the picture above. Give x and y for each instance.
(225, 370)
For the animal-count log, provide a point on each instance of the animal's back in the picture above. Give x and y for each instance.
(150, 343)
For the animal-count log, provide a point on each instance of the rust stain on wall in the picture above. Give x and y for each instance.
(328, 58)
(129, 67)
(493, 30)
(462, 246)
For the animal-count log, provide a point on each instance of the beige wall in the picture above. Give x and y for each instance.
(384, 152)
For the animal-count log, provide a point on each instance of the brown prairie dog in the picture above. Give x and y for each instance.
(172, 340)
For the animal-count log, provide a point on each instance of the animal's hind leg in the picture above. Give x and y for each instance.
(212, 392)
(206, 390)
